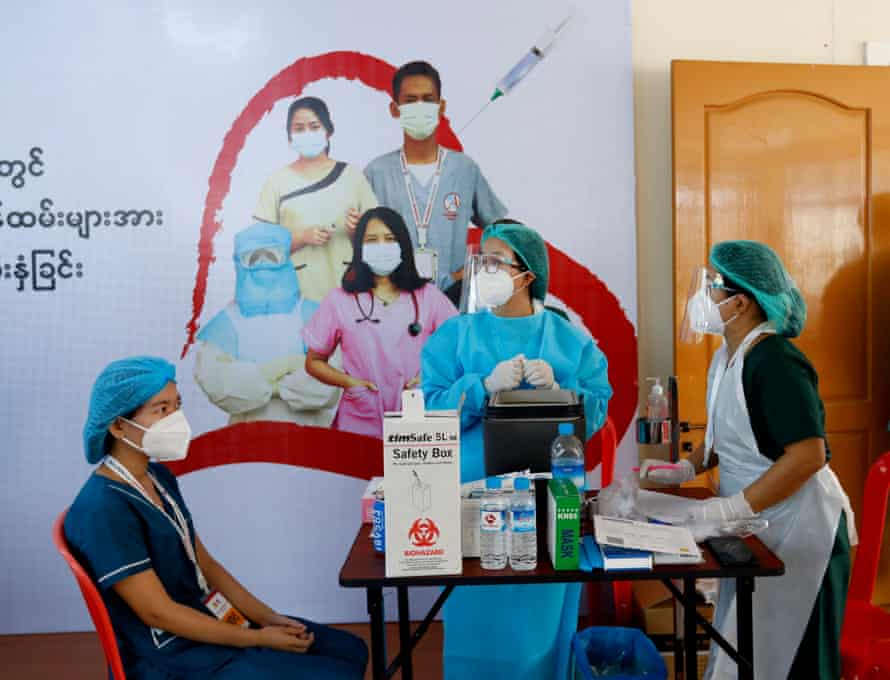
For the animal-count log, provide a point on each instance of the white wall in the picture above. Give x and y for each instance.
(802, 31)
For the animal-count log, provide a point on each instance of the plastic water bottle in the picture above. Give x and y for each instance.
(657, 404)
(523, 527)
(567, 456)
(493, 527)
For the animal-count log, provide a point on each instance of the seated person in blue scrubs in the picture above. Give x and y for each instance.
(177, 613)
(515, 343)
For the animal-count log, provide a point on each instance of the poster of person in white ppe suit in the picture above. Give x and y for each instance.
(250, 359)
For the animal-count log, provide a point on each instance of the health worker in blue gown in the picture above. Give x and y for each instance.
(176, 612)
(515, 632)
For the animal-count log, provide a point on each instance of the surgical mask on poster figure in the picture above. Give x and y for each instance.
(382, 258)
(419, 120)
(309, 144)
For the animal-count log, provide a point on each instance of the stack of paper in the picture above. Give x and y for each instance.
(657, 538)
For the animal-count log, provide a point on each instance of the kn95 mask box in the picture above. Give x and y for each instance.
(564, 524)
(421, 475)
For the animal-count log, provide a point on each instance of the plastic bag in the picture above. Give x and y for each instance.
(616, 653)
(619, 499)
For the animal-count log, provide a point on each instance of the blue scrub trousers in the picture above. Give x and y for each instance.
(335, 655)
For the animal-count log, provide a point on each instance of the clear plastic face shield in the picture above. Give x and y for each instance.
(708, 292)
(266, 257)
(488, 280)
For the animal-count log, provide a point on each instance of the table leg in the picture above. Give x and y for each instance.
(679, 664)
(690, 648)
(744, 594)
(378, 633)
(405, 634)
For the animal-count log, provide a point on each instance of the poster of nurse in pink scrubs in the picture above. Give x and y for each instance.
(380, 319)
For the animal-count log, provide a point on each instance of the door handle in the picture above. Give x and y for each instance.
(689, 427)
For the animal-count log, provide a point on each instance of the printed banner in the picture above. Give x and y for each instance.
(252, 193)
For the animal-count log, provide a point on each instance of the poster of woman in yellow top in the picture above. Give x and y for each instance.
(318, 199)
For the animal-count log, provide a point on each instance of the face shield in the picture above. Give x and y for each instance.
(488, 280)
(702, 316)
(268, 257)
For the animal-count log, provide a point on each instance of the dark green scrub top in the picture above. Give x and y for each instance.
(782, 394)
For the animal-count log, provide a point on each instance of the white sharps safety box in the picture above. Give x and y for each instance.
(421, 473)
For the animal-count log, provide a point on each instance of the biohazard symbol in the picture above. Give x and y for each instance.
(423, 533)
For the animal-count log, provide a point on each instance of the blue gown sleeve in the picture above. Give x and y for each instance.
(443, 378)
(592, 381)
(221, 332)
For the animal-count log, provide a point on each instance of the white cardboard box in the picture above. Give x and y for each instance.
(421, 472)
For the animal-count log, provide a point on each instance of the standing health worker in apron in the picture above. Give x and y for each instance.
(766, 430)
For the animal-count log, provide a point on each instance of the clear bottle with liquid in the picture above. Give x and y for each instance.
(657, 403)
(523, 527)
(493, 526)
(567, 457)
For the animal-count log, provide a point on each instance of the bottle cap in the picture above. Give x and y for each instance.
(521, 483)
(656, 388)
(493, 483)
(566, 429)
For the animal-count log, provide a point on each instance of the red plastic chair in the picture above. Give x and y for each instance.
(865, 640)
(602, 449)
(93, 600)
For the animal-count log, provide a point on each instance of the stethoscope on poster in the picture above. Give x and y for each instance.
(414, 328)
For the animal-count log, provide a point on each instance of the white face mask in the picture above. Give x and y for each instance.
(704, 314)
(309, 144)
(495, 290)
(420, 119)
(167, 439)
(382, 258)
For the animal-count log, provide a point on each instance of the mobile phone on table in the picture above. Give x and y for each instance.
(731, 551)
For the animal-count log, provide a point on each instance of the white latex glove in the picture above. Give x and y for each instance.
(539, 374)
(718, 510)
(663, 472)
(506, 375)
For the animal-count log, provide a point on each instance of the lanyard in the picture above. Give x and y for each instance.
(423, 224)
(178, 521)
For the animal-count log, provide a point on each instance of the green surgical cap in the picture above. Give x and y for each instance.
(529, 248)
(756, 269)
(120, 389)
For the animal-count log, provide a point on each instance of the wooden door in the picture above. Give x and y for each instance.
(798, 157)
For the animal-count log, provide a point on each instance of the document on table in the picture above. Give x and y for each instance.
(660, 538)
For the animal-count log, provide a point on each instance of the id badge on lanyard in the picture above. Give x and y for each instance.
(224, 610)
(214, 600)
(425, 259)
(427, 262)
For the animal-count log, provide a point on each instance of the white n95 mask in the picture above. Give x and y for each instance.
(167, 439)
(420, 119)
(309, 144)
(382, 258)
(495, 289)
(704, 314)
